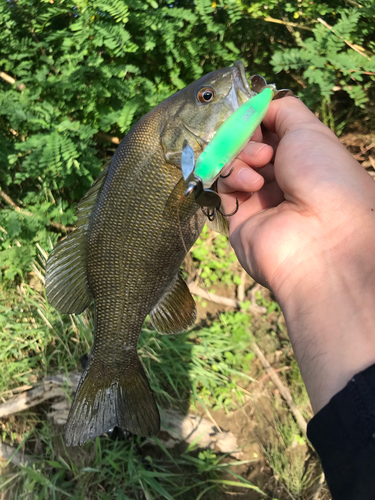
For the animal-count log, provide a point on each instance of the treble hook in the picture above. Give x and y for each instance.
(212, 214)
(209, 214)
(233, 213)
(228, 174)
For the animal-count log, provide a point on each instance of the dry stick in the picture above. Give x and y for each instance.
(56, 225)
(30, 398)
(320, 486)
(283, 369)
(284, 391)
(7, 77)
(241, 288)
(259, 381)
(51, 387)
(359, 50)
(11, 80)
(286, 23)
(224, 301)
(110, 138)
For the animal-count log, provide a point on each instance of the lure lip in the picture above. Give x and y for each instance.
(203, 197)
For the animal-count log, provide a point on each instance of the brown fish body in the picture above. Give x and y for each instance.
(126, 255)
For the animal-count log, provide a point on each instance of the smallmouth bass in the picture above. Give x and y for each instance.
(126, 252)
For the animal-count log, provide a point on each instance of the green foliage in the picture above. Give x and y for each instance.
(333, 61)
(84, 69)
(215, 259)
(119, 471)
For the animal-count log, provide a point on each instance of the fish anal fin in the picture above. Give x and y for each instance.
(219, 224)
(176, 311)
(102, 402)
(66, 271)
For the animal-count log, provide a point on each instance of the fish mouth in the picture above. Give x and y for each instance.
(239, 65)
(241, 84)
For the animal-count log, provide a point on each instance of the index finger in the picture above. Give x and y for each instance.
(288, 114)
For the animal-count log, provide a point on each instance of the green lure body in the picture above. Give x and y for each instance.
(231, 137)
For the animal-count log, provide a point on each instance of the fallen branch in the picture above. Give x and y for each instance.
(51, 387)
(223, 301)
(284, 391)
(56, 225)
(180, 427)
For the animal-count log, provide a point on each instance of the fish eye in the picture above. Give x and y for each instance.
(206, 95)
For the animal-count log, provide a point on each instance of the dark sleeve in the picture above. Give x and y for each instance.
(343, 434)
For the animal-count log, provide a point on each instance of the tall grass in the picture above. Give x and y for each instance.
(208, 365)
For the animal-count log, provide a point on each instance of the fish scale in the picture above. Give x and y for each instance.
(127, 255)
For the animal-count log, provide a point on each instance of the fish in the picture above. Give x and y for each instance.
(132, 234)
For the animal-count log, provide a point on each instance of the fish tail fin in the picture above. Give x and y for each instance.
(102, 402)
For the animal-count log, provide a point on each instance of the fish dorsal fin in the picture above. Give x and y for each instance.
(176, 310)
(219, 224)
(67, 285)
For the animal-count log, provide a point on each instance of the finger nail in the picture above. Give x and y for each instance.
(247, 176)
(253, 148)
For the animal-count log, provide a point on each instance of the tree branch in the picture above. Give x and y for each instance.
(285, 23)
(56, 225)
(357, 48)
(11, 80)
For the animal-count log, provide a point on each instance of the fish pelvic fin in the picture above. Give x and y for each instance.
(176, 311)
(219, 224)
(102, 402)
(66, 271)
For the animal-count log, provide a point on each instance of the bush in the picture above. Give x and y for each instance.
(74, 73)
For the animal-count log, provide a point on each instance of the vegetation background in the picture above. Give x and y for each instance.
(74, 77)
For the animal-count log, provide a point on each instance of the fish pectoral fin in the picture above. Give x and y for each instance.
(219, 224)
(176, 194)
(104, 402)
(66, 272)
(176, 311)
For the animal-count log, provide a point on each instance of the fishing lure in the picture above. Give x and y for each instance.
(229, 140)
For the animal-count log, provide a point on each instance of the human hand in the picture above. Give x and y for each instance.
(305, 228)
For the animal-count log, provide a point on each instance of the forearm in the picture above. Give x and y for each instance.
(330, 314)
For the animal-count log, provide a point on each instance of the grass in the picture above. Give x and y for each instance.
(286, 449)
(208, 367)
(117, 470)
(216, 261)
